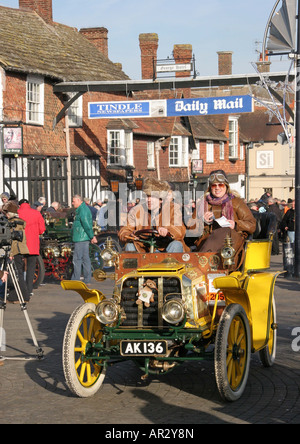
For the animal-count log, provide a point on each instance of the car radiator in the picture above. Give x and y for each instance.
(141, 316)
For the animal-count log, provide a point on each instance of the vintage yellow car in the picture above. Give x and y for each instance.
(167, 309)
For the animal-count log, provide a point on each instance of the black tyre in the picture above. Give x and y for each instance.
(84, 378)
(268, 354)
(39, 273)
(232, 352)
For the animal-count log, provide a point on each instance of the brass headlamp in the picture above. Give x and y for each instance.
(109, 254)
(228, 252)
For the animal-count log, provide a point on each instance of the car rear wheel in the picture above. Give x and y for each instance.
(232, 352)
(268, 354)
(39, 273)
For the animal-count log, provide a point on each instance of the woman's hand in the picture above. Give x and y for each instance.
(208, 217)
(232, 224)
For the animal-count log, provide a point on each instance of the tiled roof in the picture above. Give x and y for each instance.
(204, 129)
(256, 126)
(30, 45)
(161, 127)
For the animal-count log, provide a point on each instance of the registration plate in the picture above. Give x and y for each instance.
(144, 348)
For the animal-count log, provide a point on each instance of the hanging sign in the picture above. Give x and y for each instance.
(12, 140)
(210, 106)
(129, 110)
(174, 68)
(171, 108)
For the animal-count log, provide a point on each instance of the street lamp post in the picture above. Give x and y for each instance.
(297, 153)
(283, 27)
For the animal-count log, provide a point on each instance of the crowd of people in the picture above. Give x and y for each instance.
(29, 220)
(274, 216)
(257, 218)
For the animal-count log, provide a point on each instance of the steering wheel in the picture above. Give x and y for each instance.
(153, 239)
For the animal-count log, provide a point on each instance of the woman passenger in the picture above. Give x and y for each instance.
(220, 201)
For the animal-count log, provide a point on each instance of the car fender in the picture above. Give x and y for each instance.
(88, 295)
(254, 292)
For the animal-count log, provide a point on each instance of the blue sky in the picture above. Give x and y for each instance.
(208, 25)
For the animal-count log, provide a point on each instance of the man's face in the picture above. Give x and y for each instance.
(76, 202)
(153, 203)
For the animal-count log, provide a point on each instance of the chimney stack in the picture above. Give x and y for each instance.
(264, 66)
(225, 63)
(149, 47)
(183, 54)
(97, 36)
(42, 7)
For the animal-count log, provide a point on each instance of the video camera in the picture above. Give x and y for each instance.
(7, 232)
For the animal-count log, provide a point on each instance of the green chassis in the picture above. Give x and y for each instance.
(191, 343)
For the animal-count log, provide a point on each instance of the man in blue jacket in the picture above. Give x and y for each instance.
(82, 235)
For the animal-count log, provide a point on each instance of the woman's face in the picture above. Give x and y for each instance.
(218, 189)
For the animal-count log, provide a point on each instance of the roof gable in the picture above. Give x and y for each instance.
(30, 45)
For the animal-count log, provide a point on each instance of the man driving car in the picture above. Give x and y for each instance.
(156, 214)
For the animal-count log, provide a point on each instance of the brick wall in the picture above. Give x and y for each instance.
(148, 46)
(97, 36)
(183, 54)
(42, 7)
(90, 140)
(225, 63)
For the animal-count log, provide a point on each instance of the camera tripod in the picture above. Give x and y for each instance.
(9, 266)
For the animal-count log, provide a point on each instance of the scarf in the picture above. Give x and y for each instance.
(225, 202)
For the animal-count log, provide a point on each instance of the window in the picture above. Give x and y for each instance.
(35, 100)
(268, 190)
(178, 152)
(120, 148)
(210, 158)
(292, 156)
(129, 148)
(222, 151)
(242, 152)
(2, 80)
(75, 112)
(150, 155)
(233, 138)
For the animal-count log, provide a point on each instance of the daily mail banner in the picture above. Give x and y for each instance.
(171, 108)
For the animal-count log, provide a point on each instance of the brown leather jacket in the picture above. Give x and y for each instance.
(245, 222)
(139, 218)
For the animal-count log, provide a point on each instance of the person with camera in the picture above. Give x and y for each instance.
(18, 249)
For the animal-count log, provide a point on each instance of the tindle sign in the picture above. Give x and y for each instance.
(171, 108)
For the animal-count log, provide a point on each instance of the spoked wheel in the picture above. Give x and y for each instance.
(232, 353)
(268, 354)
(84, 377)
(39, 272)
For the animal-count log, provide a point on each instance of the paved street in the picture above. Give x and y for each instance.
(35, 391)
